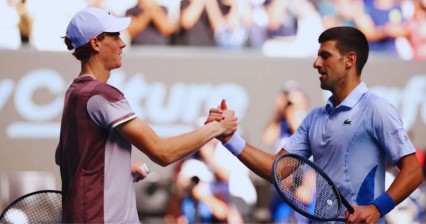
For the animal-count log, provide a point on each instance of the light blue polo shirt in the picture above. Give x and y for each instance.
(352, 143)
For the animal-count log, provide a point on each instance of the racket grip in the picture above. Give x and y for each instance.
(145, 168)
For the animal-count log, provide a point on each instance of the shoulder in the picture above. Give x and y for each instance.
(108, 92)
(315, 115)
(379, 109)
(375, 102)
(317, 111)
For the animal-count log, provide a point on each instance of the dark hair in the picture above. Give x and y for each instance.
(84, 52)
(348, 39)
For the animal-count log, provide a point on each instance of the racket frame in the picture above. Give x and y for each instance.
(340, 197)
(12, 204)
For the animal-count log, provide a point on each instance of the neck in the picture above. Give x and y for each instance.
(341, 94)
(94, 69)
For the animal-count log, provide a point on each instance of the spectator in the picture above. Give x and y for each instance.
(48, 24)
(117, 8)
(293, 26)
(341, 12)
(290, 108)
(211, 186)
(228, 169)
(258, 28)
(414, 29)
(233, 25)
(150, 24)
(383, 29)
(9, 25)
(380, 20)
(203, 194)
(223, 23)
(25, 21)
(196, 23)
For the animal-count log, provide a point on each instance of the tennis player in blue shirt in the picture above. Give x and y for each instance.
(351, 138)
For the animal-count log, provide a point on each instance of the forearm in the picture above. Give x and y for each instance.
(161, 20)
(139, 23)
(258, 161)
(191, 14)
(165, 151)
(218, 207)
(180, 146)
(270, 133)
(214, 14)
(274, 11)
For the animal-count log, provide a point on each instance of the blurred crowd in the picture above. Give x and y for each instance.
(395, 28)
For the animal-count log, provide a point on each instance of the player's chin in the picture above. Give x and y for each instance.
(324, 85)
(117, 65)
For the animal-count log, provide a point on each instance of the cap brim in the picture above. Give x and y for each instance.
(119, 25)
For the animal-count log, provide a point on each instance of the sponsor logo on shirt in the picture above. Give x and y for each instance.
(347, 122)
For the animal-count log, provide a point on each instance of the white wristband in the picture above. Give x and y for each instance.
(236, 144)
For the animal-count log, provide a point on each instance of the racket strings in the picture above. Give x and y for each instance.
(43, 207)
(307, 189)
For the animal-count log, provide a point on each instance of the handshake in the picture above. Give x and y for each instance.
(228, 127)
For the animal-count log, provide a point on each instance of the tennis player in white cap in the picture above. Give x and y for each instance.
(98, 129)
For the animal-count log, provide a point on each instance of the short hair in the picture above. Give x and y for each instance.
(348, 39)
(84, 52)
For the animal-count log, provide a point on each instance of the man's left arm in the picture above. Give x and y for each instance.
(409, 177)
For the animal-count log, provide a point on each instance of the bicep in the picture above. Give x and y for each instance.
(139, 134)
(408, 162)
(409, 177)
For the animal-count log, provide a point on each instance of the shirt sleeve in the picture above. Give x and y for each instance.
(109, 112)
(298, 143)
(390, 132)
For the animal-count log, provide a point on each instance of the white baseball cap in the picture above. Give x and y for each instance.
(92, 21)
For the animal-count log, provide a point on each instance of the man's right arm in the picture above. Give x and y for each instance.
(165, 151)
(257, 160)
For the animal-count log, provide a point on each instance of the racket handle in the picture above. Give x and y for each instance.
(145, 168)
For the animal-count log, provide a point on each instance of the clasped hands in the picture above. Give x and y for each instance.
(220, 114)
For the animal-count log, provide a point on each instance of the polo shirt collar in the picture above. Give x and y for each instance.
(350, 100)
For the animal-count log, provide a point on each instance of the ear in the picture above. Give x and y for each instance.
(94, 43)
(350, 60)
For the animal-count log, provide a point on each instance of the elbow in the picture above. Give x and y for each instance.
(162, 159)
(420, 177)
(167, 32)
(186, 25)
(167, 29)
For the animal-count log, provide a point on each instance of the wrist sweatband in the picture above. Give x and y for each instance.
(236, 144)
(384, 204)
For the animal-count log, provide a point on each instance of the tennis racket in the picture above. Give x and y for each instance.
(37, 207)
(307, 189)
